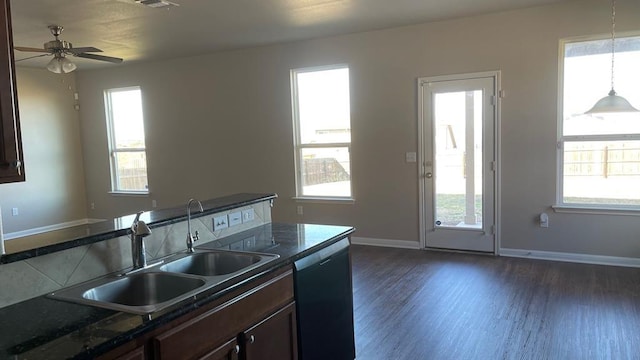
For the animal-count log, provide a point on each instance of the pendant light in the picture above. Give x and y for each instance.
(612, 102)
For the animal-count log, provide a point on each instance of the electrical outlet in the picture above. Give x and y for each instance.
(220, 222)
(93, 206)
(300, 210)
(248, 215)
(14, 211)
(249, 243)
(544, 220)
(235, 218)
(154, 203)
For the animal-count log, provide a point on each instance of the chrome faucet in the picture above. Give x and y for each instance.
(139, 230)
(191, 238)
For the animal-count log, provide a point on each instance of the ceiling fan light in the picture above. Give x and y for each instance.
(55, 66)
(67, 65)
(61, 65)
(612, 103)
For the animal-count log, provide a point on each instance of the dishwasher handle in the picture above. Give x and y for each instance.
(322, 256)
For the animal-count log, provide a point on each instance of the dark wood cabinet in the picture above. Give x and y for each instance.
(137, 354)
(227, 351)
(273, 338)
(11, 166)
(264, 312)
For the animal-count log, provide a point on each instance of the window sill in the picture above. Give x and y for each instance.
(129, 193)
(324, 200)
(596, 210)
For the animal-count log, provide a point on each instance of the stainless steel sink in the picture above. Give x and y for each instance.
(139, 293)
(143, 289)
(214, 263)
(182, 276)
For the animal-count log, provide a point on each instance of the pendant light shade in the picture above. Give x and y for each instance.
(612, 103)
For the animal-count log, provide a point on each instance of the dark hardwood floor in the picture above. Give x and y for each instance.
(413, 304)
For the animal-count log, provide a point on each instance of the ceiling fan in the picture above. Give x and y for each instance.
(60, 49)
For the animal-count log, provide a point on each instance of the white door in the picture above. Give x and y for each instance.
(458, 124)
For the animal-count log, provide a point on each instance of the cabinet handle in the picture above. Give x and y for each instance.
(16, 164)
(234, 353)
(252, 339)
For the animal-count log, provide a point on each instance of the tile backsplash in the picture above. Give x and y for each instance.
(29, 278)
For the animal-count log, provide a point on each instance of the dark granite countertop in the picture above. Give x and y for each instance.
(111, 228)
(44, 328)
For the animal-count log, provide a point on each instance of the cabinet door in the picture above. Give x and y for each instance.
(137, 354)
(206, 331)
(229, 351)
(11, 167)
(273, 338)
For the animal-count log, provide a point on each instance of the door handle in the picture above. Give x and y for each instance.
(428, 175)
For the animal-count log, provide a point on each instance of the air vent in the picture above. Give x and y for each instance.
(156, 3)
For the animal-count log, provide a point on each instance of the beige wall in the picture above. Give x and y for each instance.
(221, 123)
(54, 191)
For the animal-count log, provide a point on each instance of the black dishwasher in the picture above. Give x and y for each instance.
(324, 299)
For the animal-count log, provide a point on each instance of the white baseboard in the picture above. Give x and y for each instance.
(571, 257)
(44, 229)
(402, 244)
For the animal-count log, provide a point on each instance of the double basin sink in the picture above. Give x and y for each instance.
(167, 283)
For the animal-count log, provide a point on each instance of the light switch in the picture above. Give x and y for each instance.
(220, 222)
(410, 157)
(235, 218)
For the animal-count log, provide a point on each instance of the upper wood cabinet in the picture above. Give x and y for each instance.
(11, 165)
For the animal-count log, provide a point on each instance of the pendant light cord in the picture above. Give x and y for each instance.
(613, 41)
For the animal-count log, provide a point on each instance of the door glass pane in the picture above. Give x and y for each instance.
(458, 159)
(326, 171)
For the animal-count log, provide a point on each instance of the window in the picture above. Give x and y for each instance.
(599, 154)
(125, 127)
(322, 127)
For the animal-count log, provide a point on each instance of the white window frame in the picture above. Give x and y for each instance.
(113, 150)
(560, 205)
(299, 147)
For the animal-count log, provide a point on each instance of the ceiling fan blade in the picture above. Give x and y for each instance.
(100, 57)
(32, 57)
(83, 50)
(23, 48)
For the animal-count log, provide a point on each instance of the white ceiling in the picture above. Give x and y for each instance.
(123, 28)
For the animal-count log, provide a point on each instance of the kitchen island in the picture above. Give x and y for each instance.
(45, 328)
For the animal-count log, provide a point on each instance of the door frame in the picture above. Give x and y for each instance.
(499, 94)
